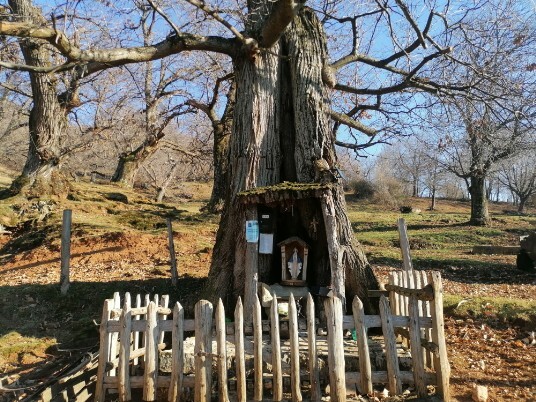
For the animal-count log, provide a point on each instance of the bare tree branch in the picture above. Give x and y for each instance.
(281, 16)
(348, 121)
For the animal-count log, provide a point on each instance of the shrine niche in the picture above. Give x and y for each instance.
(294, 255)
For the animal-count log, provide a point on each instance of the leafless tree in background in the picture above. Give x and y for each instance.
(519, 176)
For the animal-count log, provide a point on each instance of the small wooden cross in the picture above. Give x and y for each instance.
(313, 224)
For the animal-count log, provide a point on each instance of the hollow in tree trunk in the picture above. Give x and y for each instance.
(281, 130)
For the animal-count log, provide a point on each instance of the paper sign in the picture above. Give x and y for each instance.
(266, 243)
(252, 231)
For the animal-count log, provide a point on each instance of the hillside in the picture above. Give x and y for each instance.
(119, 243)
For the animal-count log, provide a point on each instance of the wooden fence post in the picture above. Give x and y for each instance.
(222, 352)
(124, 350)
(257, 351)
(104, 351)
(295, 380)
(172, 255)
(203, 351)
(314, 375)
(177, 354)
(136, 335)
(337, 378)
(239, 351)
(277, 386)
(150, 376)
(251, 269)
(65, 251)
(393, 370)
(441, 363)
(404, 244)
(365, 370)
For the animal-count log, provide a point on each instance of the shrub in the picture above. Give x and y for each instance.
(363, 189)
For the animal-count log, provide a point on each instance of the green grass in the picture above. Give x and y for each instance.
(495, 308)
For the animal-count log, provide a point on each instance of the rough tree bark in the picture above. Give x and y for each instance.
(479, 201)
(48, 116)
(281, 128)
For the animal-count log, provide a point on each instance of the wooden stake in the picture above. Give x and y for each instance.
(124, 350)
(337, 378)
(251, 271)
(222, 353)
(393, 370)
(441, 363)
(314, 375)
(257, 351)
(295, 380)
(277, 388)
(404, 244)
(172, 255)
(362, 344)
(65, 251)
(104, 350)
(150, 376)
(239, 347)
(177, 354)
(203, 351)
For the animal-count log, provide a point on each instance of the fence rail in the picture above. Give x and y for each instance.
(131, 340)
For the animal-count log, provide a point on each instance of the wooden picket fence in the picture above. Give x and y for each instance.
(131, 338)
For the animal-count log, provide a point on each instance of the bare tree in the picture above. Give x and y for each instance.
(494, 120)
(519, 176)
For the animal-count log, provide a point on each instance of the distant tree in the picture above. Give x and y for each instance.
(494, 120)
(161, 92)
(519, 176)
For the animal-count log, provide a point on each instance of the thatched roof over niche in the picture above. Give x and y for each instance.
(283, 193)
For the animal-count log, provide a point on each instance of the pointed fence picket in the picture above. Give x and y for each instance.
(131, 339)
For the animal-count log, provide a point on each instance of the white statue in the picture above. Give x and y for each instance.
(294, 264)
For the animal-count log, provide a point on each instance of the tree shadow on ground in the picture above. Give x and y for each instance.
(41, 311)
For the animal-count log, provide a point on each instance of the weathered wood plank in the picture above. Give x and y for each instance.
(124, 351)
(136, 334)
(172, 255)
(151, 354)
(335, 254)
(277, 385)
(65, 253)
(295, 380)
(257, 351)
(164, 303)
(416, 349)
(222, 352)
(251, 269)
(441, 363)
(177, 354)
(404, 245)
(314, 374)
(203, 351)
(395, 386)
(239, 352)
(337, 380)
(362, 345)
(104, 351)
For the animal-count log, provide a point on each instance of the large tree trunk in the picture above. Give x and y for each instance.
(129, 165)
(48, 117)
(281, 128)
(479, 201)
